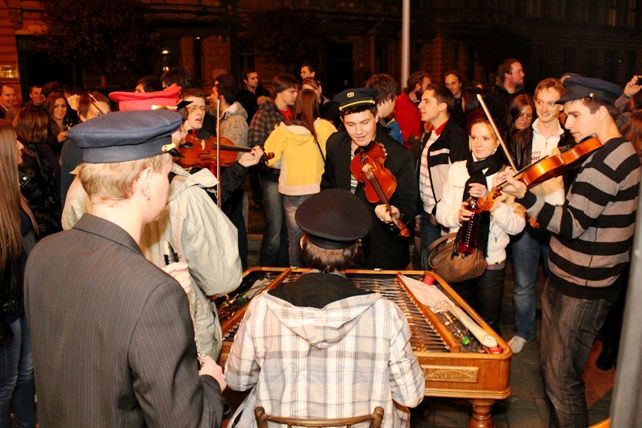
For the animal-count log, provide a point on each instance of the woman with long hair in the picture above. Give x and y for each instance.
(299, 150)
(521, 113)
(59, 122)
(473, 178)
(16, 239)
(40, 167)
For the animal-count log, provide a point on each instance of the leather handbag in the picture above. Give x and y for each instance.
(454, 268)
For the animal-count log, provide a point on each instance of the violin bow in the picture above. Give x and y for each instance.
(219, 200)
(499, 136)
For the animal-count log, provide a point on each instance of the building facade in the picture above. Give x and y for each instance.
(350, 39)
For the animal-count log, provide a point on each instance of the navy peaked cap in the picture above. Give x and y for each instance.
(334, 218)
(578, 87)
(355, 96)
(126, 136)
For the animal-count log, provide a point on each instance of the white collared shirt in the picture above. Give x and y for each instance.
(552, 189)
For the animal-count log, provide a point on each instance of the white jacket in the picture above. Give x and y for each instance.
(506, 218)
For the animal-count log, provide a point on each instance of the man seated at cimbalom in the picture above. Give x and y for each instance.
(319, 347)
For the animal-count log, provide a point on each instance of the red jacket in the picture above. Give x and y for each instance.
(408, 116)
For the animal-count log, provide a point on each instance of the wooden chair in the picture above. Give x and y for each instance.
(262, 420)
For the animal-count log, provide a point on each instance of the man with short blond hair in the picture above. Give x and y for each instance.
(545, 137)
(125, 354)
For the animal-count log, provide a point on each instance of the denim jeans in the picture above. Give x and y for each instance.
(484, 295)
(290, 205)
(274, 244)
(16, 378)
(526, 251)
(569, 327)
(429, 233)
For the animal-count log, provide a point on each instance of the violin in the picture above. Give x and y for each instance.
(548, 167)
(379, 183)
(202, 152)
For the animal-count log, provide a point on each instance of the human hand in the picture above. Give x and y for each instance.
(513, 187)
(477, 190)
(249, 159)
(210, 368)
(633, 86)
(178, 137)
(262, 100)
(464, 213)
(62, 136)
(382, 213)
(180, 272)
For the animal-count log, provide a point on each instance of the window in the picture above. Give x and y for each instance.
(631, 11)
(611, 13)
(532, 7)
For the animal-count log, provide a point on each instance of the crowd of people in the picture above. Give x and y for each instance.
(120, 305)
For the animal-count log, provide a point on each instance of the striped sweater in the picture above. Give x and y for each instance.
(593, 230)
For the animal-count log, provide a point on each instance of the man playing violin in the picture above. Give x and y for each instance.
(545, 137)
(590, 243)
(382, 247)
(232, 176)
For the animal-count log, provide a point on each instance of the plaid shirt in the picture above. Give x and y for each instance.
(266, 118)
(339, 361)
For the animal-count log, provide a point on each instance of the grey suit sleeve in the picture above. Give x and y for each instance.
(162, 358)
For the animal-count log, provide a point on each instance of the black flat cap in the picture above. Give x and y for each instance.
(578, 87)
(355, 96)
(126, 136)
(334, 218)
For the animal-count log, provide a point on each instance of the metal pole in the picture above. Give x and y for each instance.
(405, 42)
(626, 406)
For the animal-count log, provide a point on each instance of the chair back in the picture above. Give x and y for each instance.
(263, 418)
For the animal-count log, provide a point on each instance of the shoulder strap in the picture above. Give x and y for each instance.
(320, 151)
(437, 242)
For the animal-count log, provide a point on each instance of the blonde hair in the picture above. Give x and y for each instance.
(114, 181)
(11, 200)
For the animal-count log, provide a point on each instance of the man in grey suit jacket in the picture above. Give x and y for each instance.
(113, 342)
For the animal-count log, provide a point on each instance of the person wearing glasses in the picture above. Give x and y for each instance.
(231, 176)
(545, 137)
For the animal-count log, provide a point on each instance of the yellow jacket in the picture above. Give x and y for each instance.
(298, 156)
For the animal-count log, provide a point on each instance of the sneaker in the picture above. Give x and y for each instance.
(516, 344)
